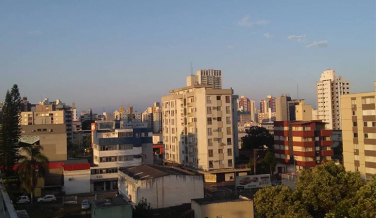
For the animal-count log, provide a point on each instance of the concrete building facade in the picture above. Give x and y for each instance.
(301, 144)
(161, 187)
(359, 132)
(52, 137)
(199, 127)
(114, 149)
(329, 91)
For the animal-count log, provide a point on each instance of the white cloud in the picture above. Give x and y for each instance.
(268, 35)
(297, 38)
(246, 21)
(319, 44)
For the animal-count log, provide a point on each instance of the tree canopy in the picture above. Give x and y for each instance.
(326, 191)
(10, 130)
(256, 138)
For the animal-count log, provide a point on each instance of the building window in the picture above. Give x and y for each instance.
(228, 109)
(210, 142)
(229, 152)
(211, 164)
(209, 121)
(355, 124)
(228, 99)
(220, 151)
(228, 120)
(229, 163)
(210, 153)
(228, 130)
(210, 131)
(219, 118)
(353, 113)
(355, 135)
(208, 100)
(228, 141)
(208, 110)
(218, 97)
(366, 135)
(368, 100)
(353, 102)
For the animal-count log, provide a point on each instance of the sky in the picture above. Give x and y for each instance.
(103, 54)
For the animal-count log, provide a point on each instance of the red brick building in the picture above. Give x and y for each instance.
(302, 144)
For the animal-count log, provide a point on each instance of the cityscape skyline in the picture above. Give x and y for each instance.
(115, 52)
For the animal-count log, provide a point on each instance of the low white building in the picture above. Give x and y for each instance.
(76, 177)
(160, 186)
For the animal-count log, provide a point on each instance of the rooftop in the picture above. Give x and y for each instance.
(204, 201)
(145, 172)
(109, 202)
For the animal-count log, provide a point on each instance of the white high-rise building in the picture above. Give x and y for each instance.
(200, 128)
(329, 91)
(206, 77)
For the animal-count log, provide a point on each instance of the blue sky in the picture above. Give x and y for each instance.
(103, 54)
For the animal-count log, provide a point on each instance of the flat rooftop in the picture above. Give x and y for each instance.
(109, 202)
(204, 201)
(145, 172)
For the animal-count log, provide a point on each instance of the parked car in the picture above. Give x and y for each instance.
(23, 200)
(47, 198)
(85, 205)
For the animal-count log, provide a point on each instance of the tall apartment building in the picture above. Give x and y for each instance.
(199, 127)
(282, 109)
(206, 77)
(115, 149)
(153, 116)
(329, 91)
(359, 132)
(301, 144)
(267, 103)
(74, 113)
(244, 104)
(49, 113)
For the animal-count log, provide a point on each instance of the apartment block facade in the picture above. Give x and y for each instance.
(359, 132)
(302, 144)
(206, 77)
(115, 149)
(329, 91)
(199, 127)
(49, 113)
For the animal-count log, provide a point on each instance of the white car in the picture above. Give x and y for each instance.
(23, 200)
(47, 198)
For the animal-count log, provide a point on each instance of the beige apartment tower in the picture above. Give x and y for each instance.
(199, 127)
(329, 91)
(359, 132)
(206, 77)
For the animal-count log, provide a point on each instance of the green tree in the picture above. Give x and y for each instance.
(256, 138)
(32, 165)
(270, 160)
(326, 191)
(10, 130)
(142, 209)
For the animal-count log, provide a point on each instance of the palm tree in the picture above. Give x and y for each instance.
(32, 165)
